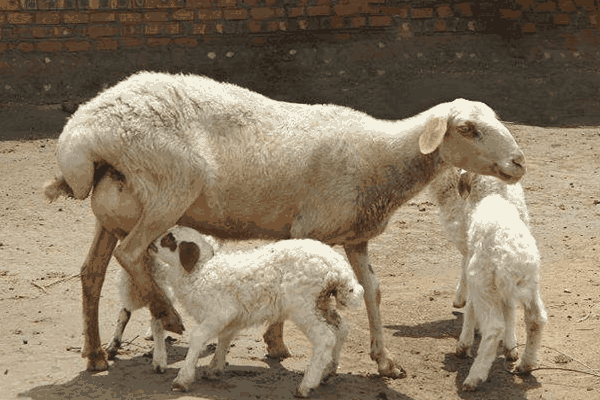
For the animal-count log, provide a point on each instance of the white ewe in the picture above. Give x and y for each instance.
(501, 268)
(132, 299)
(231, 163)
(291, 279)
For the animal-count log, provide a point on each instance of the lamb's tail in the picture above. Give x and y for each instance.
(57, 187)
(346, 289)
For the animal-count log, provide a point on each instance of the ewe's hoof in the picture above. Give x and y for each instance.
(458, 304)
(464, 351)
(279, 354)
(212, 375)
(470, 385)
(511, 355)
(523, 370)
(390, 369)
(180, 387)
(302, 393)
(159, 369)
(112, 350)
(97, 362)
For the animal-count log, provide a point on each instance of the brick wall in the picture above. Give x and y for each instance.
(104, 25)
(534, 61)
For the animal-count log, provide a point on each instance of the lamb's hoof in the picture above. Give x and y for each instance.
(511, 355)
(523, 369)
(326, 377)
(458, 304)
(212, 375)
(471, 386)
(464, 351)
(180, 386)
(97, 362)
(302, 393)
(279, 354)
(390, 369)
(112, 350)
(159, 369)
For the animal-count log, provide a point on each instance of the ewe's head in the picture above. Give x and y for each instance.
(185, 247)
(470, 136)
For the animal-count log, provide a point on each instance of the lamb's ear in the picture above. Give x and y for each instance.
(189, 254)
(433, 135)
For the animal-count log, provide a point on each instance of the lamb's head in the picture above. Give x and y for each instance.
(470, 136)
(184, 247)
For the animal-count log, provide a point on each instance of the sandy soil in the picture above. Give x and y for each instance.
(43, 245)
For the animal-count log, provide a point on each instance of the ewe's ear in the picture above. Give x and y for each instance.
(189, 254)
(433, 135)
(464, 185)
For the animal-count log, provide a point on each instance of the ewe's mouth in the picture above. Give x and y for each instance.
(152, 249)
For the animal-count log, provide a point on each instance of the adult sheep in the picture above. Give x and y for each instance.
(231, 163)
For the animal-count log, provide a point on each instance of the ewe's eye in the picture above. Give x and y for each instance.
(467, 130)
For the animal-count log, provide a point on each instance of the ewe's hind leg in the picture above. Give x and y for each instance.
(159, 355)
(491, 325)
(535, 319)
(357, 255)
(323, 339)
(115, 343)
(93, 272)
(510, 334)
(464, 348)
(160, 213)
(273, 337)
(460, 296)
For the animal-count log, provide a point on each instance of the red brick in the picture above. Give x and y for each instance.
(25, 46)
(107, 44)
(186, 41)
(3, 47)
(547, 6)
(161, 4)
(326, 2)
(61, 31)
(183, 15)
(318, 10)
(337, 22)
(10, 5)
(295, 12)
(422, 12)
(155, 28)
(400, 11)
(131, 42)
(444, 10)
(270, 2)
(101, 30)
(50, 18)
(102, 17)
(94, 4)
(258, 41)
(525, 3)
(589, 5)
(343, 36)
(529, 28)
(2, 18)
(19, 18)
(156, 42)
(465, 8)
(156, 16)
(381, 20)
(39, 32)
(199, 29)
(509, 14)
(240, 13)
(209, 14)
(74, 17)
(198, 4)
(562, 19)
(440, 26)
(346, 9)
(130, 18)
(251, 2)
(303, 24)
(358, 22)
(49, 46)
(566, 5)
(273, 26)
(262, 13)
(254, 26)
(77, 45)
(228, 3)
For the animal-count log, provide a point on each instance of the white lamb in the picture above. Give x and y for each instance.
(501, 268)
(132, 300)
(291, 279)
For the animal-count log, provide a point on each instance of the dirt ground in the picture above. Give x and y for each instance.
(43, 245)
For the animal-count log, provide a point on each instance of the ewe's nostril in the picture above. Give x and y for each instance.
(519, 160)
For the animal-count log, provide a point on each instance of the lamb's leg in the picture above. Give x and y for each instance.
(218, 362)
(115, 343)
(460, 296)
(273, 337)
(535, 319)
(200, 336)
(159, 355)
(491, 320)
(510, 334)
(358, 257)
(93, 272)
(464, 348)
(341, 331)
(323, 339)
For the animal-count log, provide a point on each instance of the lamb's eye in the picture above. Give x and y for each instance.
(467, 131)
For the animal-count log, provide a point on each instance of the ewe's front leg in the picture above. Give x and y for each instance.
(460, 297)
(159, 355)
(93, 272)
(273, 337)
(218, 362)
(358, 257)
